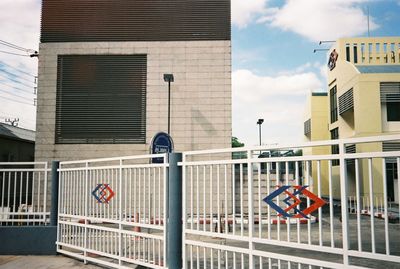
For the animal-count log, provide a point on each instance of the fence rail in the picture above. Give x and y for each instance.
(113, 211)
(24, 193)
(321, 210)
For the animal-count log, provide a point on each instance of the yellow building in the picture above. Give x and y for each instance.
(363, 99)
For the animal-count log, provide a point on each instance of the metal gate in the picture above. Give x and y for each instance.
(268, 208)
(113, 211)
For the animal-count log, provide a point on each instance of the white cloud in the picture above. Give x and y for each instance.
(244, 12)
(20, 25)
(321, 19)
(280, 100)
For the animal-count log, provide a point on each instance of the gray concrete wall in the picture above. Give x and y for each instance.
(28, 240)
(200, 96)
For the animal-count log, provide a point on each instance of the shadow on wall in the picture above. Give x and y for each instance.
(199, 119)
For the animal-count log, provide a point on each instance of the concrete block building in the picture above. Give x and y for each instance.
(101, 91)
(363, 99)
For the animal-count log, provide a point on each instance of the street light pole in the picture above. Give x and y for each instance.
(169, 78)
(259, 122)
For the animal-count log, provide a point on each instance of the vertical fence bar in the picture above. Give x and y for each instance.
(60, 207)
(45, 193)
(184, 211)
(398, 177)
(120, 214)
(319, 209)
(385, 202)
(86, 221)
(331, 203)
(358, 206)
(343, 191)
(371, 198)
(250, 198)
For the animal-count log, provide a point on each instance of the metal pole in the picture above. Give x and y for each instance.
(169, 106)
(54, 193)
(174, 228)
(259, 132)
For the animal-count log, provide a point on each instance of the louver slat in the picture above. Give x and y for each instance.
(135, 20)
(390, 92)
(391, 146)
(307, 127)
(101, 99)
(346, 102)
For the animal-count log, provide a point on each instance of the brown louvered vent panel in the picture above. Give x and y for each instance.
(346, 102)
(101, 99)
(135, 20)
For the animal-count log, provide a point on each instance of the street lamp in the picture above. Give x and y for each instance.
(169, 78)
(259, 122)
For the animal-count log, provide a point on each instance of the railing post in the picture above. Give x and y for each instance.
(174, 227)
(54, 193)
(344, 204)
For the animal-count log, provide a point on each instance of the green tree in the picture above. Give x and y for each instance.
(236, 143)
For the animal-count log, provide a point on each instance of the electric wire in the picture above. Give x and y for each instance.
(17, 76)
(7, 52)
(16, 81)
(13, 100)
(11, 45)
(15, 88)
(16, 95)
(16, 69)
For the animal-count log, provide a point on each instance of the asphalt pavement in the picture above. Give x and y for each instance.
(42, 262)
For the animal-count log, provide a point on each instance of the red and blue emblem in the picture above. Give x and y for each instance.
(292, 201)
(103, 193)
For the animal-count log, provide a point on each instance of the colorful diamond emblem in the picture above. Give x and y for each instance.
(292, 201)
(103, 193)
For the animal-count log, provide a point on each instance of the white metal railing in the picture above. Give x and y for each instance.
(24, 193)
(372, 51)
(113, 211)
(228, 224)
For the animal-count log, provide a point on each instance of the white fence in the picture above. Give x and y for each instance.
(24, 193)
(113, 211)
(230, 223)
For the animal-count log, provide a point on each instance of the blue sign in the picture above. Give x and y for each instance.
(161, 143)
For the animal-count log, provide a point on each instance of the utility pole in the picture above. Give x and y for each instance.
(13, 122)
(169, 78)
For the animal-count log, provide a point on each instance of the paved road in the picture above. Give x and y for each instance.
(42, 262)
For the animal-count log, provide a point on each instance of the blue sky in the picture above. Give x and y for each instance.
(274, 67)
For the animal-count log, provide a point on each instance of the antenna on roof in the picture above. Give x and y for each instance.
(368, 20)
(13, 122)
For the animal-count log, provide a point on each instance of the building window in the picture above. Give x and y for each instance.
(390, 95)
(101, 99)
(393, 111)
(335, 148)
(333, 104)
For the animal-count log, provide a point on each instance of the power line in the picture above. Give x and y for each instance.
(13, 100)
(11, 45)
(16, 95)
(11, 74)
(7, 52)
(17, 69)
(19, 89)
(31, 52)
(16, 81)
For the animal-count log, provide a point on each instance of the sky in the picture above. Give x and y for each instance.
(273, 64)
